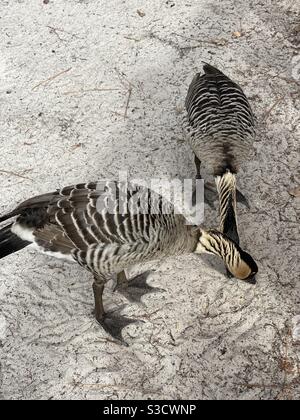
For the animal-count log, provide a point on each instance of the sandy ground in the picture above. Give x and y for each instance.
(67, 71)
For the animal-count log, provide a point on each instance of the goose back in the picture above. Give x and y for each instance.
(219, 122)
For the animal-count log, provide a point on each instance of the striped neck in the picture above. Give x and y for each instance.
(214, 242)
(226, 185)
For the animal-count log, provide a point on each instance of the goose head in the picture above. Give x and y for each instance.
(240, 264)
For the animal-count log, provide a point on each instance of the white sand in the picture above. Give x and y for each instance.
(205, 336)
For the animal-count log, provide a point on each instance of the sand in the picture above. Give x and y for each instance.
(90, 87)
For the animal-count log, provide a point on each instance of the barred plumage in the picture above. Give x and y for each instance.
(219, 121)
(90, 224)
(219, 125)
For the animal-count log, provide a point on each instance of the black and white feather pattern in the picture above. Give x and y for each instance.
(92, 225)
(84, 223)
(219, 122)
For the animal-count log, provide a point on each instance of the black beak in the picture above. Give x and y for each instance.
(251, 279)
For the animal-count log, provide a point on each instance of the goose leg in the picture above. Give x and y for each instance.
(135, 288)
(112, 322)
(198, 167)
(210, 194)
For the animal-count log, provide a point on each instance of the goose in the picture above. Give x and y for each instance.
(109, 226)
(219, 126)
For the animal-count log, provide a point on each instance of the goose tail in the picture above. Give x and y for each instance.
(209, 69)
(10, 242)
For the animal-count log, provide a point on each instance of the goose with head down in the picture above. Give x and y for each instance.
(219, 125)
(88, 224)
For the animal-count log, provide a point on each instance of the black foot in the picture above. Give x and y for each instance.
(210, 196)
(136, 288)
(240, 198)
(113, 323)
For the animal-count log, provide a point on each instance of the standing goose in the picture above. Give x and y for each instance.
(220, 129)
(90, 224)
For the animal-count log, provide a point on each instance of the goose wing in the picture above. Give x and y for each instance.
(80, 216)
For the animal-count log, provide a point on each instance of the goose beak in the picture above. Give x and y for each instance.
(251, 279)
